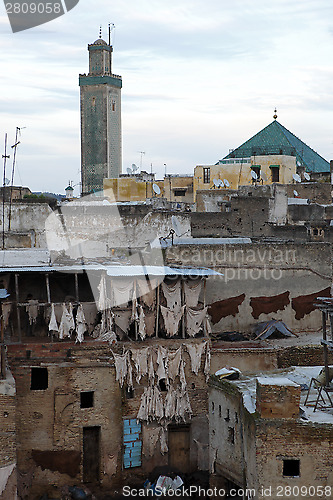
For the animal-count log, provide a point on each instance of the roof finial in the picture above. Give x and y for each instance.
(275, 115)
(100, 31)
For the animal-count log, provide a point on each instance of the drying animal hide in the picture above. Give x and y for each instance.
(304, 304)
(182, 375)
(122, 319)
(174, 359)
(171, 320)
(147, 292)
(121, 362)
(67, 324)
(81, 326)
(103, 302)
(207, 362)
(227, 307)
(150, 439)
(162, 356)
(151, 407)
(53, 325)
(110, 337)
(150, 323)
(195, 351)
(269, 305)
(170, 404)
(142, 324)
(90, 313)
(194, 320)
(183, 406)
(140, 359)
(6, 310)
(129, 380)
(151, 370)
(192, 293)
(121, 291)
(107, 321)
(32, 309)
(172, 293)
(163, 441)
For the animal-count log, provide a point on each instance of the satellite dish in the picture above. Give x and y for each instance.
(264, 176)
(295, 193)
(134, 167)
(297, 178)
(254, 175)
(7, 181)
(306, 176)
(129, 170)
(220, 181)
(216, 183)
(226, 183)
(176, 226)
(156, 189)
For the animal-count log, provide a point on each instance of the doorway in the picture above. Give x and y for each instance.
(91, 454)
(179, 447)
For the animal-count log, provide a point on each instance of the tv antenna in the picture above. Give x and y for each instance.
(141, 155)
(5, 157)
(14, 147)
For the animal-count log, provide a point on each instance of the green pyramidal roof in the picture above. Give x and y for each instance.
(275, 139)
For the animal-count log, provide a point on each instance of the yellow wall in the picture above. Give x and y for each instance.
(128, 189)
(132, 189)
(239, 174)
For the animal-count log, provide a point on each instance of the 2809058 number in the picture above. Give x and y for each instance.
(34, 8)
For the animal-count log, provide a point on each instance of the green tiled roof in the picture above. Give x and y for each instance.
(276, 139)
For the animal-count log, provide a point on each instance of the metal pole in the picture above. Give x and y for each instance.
(3, 358)
(17, 308)
(327, 376)
(157, 309)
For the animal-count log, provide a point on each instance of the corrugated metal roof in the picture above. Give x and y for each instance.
(120, 270)
(211, 241)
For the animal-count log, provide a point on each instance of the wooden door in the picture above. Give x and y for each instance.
(91, 454)
(179, 447)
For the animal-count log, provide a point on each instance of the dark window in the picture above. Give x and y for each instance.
(213, 407)
(315, 232)
(291, 468)
(275, 174)
(227, 418)
(39, 379)
(220, 411)
(87, 399)
(162, 385)
(206, 175)
(180, 192)
(113, 105)
(256, 169)
(231, 435)
(129, 393)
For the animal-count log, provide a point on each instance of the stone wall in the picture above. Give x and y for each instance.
(261, 282)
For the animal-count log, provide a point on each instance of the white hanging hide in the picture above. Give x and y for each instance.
(140, 359)
(171, 320)
(120, 361)
(192, 293)
(81, 326)
(194, 320)
(172, 293)
(195, 351)
(53, 325)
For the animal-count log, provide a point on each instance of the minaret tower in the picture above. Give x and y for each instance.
(100, 101)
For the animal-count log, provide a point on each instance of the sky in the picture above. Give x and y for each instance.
(200, 77)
